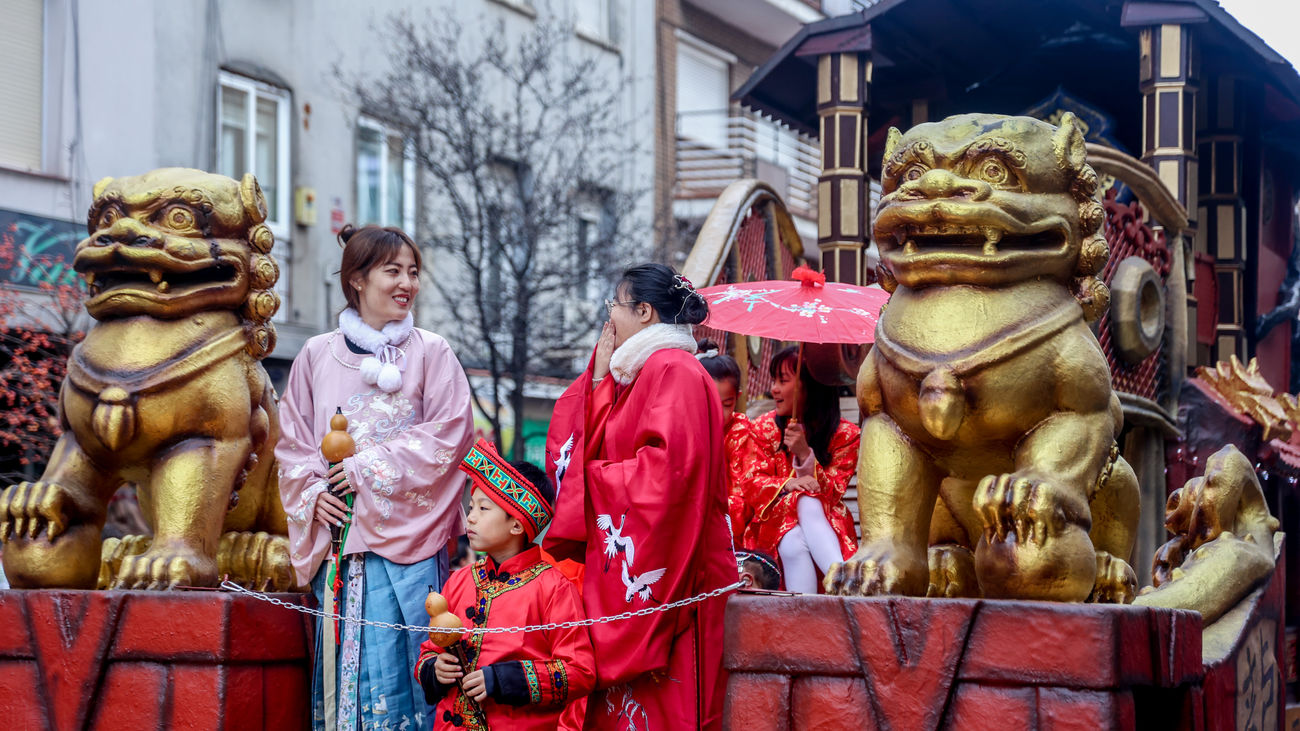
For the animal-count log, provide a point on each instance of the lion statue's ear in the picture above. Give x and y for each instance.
(250, 193)
(98, 190)
(1068, 143)
(891, 142)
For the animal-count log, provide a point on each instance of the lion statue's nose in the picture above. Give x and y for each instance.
(940, 183)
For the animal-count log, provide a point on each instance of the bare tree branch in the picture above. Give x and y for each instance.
(518, 139)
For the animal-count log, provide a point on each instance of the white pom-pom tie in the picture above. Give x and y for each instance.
(383, 368)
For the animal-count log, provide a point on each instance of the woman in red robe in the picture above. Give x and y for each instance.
(641, 499)
(793, 477)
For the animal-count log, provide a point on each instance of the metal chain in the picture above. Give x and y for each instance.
(647, 611)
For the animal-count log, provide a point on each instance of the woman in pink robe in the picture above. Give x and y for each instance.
(408, 408)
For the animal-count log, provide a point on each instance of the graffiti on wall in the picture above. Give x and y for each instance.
(42, 250)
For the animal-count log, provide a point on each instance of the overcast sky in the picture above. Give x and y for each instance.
(1276, 21)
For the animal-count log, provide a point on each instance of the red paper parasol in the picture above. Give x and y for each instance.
(806, 309)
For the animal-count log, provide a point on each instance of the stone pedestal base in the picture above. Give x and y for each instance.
(152, 660)
(900, 663)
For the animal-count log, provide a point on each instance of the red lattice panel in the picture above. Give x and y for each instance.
(1128, 234)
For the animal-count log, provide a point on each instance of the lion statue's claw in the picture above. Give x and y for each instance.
(879, 568)
(1116, 581)
(30, 509)
(952, 572)
(1018, 509)
(257, 561)
(165, 567)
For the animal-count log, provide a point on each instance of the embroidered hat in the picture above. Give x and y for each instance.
(502, 483)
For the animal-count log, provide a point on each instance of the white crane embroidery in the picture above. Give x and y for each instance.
(562, 463)
(615, 542)
(639, 586)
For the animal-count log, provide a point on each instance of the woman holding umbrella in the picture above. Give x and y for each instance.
(797, 465)
(802, 456)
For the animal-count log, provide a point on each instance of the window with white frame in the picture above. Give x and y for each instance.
(592, 224)
(703, 92)
(22, 39)
(253, 136)
(385, 176)
(595, 19)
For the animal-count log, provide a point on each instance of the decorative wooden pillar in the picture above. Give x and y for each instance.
(843, 190)
(1222, 211)
(1167, 74)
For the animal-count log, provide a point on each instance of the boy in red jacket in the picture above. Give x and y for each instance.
(521, 680)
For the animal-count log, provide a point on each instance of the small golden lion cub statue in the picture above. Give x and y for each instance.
(166, 391)
(988, 464)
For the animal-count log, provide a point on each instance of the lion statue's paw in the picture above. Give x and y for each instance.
(257, 561)
(952, 572)
(1116, 581)
(29, 509)
(165, 566)
(1019, 509)
(878, 568)
(112, 553)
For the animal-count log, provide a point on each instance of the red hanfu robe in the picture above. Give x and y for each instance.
(558, 665)
(642, 501)
(763, 469)
(736, 447)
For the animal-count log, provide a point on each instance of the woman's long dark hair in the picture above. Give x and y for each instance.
(821, 408)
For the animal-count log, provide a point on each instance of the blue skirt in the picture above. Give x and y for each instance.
(375, 685)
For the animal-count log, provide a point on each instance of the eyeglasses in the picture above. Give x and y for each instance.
(610, 304)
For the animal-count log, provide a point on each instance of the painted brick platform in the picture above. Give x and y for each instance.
(815, 662)
(151, 660)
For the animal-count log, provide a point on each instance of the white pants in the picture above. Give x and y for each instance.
(811, 542)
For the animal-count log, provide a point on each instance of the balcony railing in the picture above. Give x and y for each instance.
(716, 148)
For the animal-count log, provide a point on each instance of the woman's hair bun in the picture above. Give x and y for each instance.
(694, 309)
(672, 295)
(345, 234)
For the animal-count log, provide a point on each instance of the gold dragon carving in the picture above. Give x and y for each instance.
(1223, 542)
(989, 465)
(167, 391)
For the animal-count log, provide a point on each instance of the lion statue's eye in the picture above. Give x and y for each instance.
(912, 172)
(178, 217)
(109, 216)
(993, 172)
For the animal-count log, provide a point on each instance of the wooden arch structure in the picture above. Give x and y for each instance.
(749, 236)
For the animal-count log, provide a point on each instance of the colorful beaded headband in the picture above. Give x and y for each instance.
(743, 556)
(506, 487)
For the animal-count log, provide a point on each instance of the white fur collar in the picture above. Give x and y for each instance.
(384, 367)
(631, 356)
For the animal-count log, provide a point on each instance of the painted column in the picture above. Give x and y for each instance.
(1222, 211)
(843, 193)
(1167, 77)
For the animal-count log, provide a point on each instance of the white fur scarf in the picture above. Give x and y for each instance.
(384, 367)
(631, 356)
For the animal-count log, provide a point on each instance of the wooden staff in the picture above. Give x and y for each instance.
(336, 446)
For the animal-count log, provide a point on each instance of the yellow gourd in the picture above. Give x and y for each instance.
(338, 444)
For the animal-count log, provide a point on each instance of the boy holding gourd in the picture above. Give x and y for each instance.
(523, 680)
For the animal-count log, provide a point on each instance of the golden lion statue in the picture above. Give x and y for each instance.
(167, 391)
(988, 464)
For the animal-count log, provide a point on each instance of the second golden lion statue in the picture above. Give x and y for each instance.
(166, 391)
(988, 464)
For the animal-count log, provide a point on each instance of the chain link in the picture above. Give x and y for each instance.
(647, 611)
